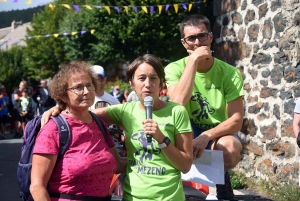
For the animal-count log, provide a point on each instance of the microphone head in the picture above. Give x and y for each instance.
(148, 101)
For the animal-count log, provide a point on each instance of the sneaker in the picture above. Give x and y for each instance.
(225, 191)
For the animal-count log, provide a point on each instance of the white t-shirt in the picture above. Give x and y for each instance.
(106, 97)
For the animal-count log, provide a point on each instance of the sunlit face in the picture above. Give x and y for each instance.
(146, 82)
(44, 84)
(195, 30)
(84, 99)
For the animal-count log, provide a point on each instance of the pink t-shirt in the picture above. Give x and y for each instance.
(87, 167)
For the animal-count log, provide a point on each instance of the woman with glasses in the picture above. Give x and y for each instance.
(155, 166)
(86, 169)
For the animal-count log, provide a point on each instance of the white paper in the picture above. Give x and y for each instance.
(208, 169)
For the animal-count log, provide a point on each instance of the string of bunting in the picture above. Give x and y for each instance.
(92, 31)
(151, 8)
(185, 6)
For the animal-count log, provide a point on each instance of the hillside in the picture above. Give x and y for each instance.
(25, 15)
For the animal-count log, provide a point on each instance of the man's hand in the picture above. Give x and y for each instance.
(47, 114)
(201, 53)
(199, 144)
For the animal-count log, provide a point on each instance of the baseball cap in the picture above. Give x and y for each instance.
(99, 70)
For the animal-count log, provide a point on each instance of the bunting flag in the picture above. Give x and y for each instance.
(92, 31)
(126, 8)
(29, 2)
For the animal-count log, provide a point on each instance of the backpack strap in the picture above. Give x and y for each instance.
(65, 134)
(100, 124)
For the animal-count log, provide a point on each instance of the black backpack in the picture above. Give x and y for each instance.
(32, 129)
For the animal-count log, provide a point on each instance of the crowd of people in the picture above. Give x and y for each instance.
(206, 114)
(21, 106)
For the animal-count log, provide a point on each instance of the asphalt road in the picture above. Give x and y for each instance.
(10, 150)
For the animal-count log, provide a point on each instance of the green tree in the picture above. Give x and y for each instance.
(11, 71)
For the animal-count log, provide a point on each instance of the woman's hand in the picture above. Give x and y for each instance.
(151, 128)
(47, 114)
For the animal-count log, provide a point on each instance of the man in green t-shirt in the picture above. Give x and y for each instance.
(212, 92)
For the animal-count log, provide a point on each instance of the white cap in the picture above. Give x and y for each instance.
(99, 70)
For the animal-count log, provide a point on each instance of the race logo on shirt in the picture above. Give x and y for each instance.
(200, 114)
(145, 153)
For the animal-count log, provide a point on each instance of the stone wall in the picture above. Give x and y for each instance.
(262, 39)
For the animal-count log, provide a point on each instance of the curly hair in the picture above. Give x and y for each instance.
(151, 60)
(60, 82)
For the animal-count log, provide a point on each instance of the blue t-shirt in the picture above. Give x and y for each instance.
(4, 110)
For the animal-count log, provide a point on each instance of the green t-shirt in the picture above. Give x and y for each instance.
(211, 93)
(150, 175)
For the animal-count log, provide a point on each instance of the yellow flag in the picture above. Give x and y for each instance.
(29, 2)
(107, 9)
(55, 35)
(126, 9)
(159, 9)
(66, 5)
(93, 31)
(38, 36)
(145, 9)
(88, 7)
(190, 6)
(74, 33)
(51, 6)
(2, 1)
(176, 8)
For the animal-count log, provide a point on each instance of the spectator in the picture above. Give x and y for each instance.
(212, 92)
(119, 95)
(24, 108)
(45, 101)
(86, 169)
(132, 97)
(4, 101)
(296, 121)
(101, 95)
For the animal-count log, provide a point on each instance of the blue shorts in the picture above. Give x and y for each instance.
(197, 131)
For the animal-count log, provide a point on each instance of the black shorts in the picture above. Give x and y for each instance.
(3, 119)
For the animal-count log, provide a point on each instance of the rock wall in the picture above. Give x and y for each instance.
(262, 39)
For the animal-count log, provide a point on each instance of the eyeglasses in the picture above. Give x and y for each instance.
(80, 88)
(192, 39)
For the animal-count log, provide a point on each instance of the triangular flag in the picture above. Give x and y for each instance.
(15, 1)
(65, 34)
(29, 2)
(107, 9)
(190, 6)
(126, 9)
(51, 6)
(159, 9)
(167, 7)
(117, 9)
(83, 32)
(76, 7)
(38, 36)
(47, 35)
(66, 6)
(74, 33)
(98, 7)
(152, 9)
(2, 1)
(88, 7)
(184, 6)
(55, 35)
(145, 9)
(93, 31)
(135, 9)
(176, 7)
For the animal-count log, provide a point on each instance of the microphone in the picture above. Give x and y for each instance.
(148, 103)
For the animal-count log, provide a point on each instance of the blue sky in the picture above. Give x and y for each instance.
(20, 4)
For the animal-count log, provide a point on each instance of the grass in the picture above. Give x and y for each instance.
(270, 189)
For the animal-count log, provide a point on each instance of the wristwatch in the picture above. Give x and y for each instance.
(165, 143)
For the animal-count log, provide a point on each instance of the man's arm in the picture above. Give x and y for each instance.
(296, 124)
(186, 82)
(234, 122)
